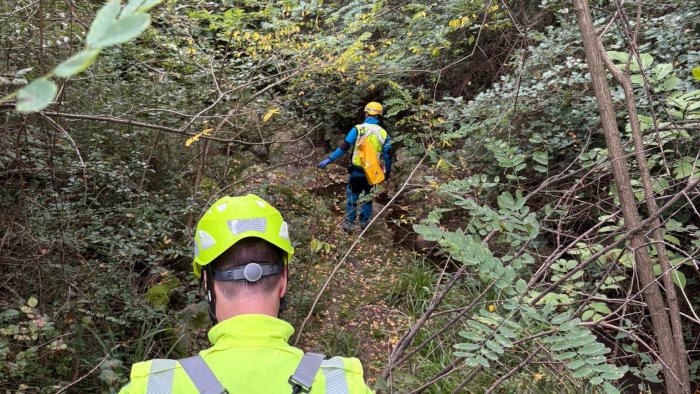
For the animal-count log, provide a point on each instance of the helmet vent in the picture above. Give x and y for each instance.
(241, 226)
(206, 241)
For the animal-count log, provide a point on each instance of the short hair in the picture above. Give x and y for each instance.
(246, 251)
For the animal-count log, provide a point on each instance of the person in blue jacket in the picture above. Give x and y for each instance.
(358, 185)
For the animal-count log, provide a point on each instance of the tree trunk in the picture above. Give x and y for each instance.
(643, 264)
(656, 225)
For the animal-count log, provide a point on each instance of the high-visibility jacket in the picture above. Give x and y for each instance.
(352, 137)
(250, 354)
(373, 134)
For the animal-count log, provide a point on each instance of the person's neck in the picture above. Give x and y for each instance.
(227, 310)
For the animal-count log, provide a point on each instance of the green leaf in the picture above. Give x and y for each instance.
(647, 59)
(36, 96)
(507, 332)
(484, 362)
(520, 286)
(672, 239)
(505, 342)
(471, 336)
(561, 318)
(582, 373)
(576, 364)
(592, 349)
(471, 361)
(467, 346)
(683, 168)
(540, 157)
(587, 315)
(489, 354)
(610, 389)
(596, 381)
(670, 83)
(105, 18)
(565, 356)
(495, 347)
(76, 63)
(619, 57)
(569, 325)
(637, 79)
(128, 28)
(662, 70)
(677, 277)
(32, 302)
(696, 73)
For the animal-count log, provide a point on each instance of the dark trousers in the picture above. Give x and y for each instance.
(358, 187)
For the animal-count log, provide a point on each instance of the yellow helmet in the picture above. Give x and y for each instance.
(374, 108)
(230, 220)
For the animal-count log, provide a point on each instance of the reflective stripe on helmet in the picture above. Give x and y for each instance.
(160, 377)
(336, 379)
(241, 226)
(206, 240)
(284, 231)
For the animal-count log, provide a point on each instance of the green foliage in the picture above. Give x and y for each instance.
(36, 96)
(516, 184)
(110, 27)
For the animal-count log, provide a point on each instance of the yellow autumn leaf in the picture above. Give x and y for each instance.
(192, 139)
(270, 113)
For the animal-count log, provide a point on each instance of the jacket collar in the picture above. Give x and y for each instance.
(251, 330)
(371, 120)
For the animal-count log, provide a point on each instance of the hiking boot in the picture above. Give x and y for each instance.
(347, 227)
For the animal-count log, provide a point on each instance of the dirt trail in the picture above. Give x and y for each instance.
(353, 317)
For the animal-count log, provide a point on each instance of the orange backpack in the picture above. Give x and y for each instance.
(369, 160)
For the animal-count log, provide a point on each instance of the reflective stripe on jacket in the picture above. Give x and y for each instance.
(250, 354)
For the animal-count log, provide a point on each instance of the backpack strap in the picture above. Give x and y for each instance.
(201, 375)
(302, 379)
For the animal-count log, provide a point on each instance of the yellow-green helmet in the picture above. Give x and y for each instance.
(374, 108)
(232, 219)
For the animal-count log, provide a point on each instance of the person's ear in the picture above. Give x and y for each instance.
(283, 282)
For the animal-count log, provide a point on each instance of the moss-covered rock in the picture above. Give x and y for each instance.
(159, 294)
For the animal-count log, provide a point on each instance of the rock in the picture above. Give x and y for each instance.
(191, 325)
(159, 295)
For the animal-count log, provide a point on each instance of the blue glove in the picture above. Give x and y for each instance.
(324, 163)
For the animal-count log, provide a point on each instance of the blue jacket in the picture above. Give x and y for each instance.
(352, 137)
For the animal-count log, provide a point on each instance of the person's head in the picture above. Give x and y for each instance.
(242, 248)
(373, 109)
